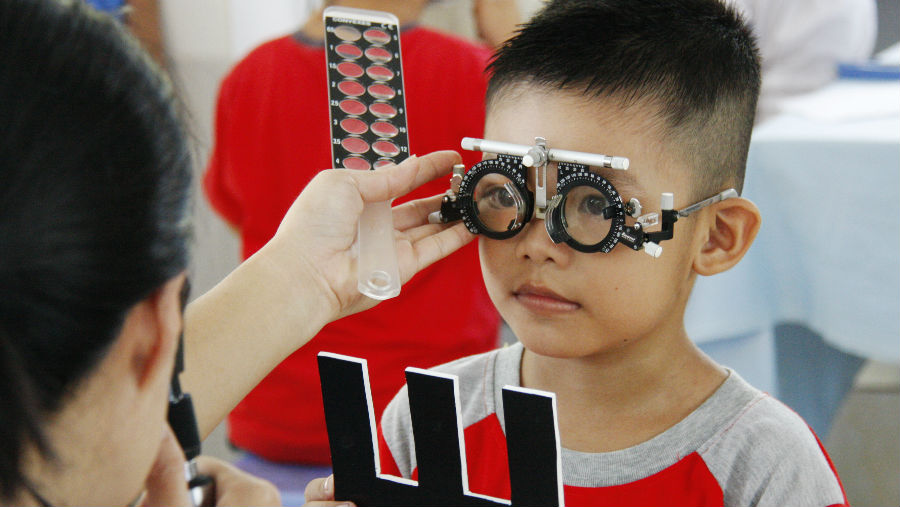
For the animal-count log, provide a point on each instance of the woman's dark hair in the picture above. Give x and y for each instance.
(94, 188)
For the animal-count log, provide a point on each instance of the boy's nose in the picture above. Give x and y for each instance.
(534, 244)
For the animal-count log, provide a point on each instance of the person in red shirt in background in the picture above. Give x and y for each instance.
(272, 135)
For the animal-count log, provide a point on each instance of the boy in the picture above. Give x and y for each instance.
(645, 418)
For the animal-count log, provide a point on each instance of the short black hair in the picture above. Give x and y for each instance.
(95, 175)
(695, 61)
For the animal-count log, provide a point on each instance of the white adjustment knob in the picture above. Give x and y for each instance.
(619, 163)
(667, 201)
(535, 156)
(652, 249)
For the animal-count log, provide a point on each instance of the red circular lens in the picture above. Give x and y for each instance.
(385, 129)
(353, 107)
(376, 36)
(354, 126)
(351, 88)
(348, 51)
(357, 163)
(383, 110)
(382, 91)
(386, 148)
(378, 55)
(379, 73)
(349, 69)
(355, 145)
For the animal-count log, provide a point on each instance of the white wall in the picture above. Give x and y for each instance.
(197, 29)
(251, 24)
(227, 29)
(203, 39)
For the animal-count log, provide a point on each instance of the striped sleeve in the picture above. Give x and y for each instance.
(769, 456)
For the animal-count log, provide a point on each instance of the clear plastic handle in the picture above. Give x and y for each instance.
(379, 274)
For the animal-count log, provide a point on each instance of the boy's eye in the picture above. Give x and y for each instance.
(498, 197)
(498, 204)
(585, 213)
(593, 205)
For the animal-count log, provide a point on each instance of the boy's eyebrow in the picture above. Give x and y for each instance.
(623, 180)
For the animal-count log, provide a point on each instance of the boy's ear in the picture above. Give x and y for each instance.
(733, 226)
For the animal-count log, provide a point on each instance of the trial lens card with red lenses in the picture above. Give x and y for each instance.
(365, 88)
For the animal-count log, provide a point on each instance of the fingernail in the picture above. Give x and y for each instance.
(327, 485)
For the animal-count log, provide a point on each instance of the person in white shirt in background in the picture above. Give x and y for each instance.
(802, 42)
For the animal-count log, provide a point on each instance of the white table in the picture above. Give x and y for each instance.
(826, 178)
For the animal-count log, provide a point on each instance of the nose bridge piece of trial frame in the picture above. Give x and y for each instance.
(538, 157)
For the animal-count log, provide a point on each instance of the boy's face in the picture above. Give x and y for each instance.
(565, 303)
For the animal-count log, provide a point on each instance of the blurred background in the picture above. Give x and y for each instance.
(199, 40)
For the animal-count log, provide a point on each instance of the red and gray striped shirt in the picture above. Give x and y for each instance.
(740, 447)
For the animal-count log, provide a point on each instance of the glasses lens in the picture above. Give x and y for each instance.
(500, 207)
(583, 215)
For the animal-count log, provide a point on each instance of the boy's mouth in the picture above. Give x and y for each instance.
(543, 300)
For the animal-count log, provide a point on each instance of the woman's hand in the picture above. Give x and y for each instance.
(166, 485)
(320, 493)
(236, 487)
(316, 238)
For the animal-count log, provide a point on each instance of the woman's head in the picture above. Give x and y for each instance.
(94, 183)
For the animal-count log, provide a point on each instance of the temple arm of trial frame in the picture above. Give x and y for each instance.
(649, 241)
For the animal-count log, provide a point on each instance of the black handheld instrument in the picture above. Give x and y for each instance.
(183, 422)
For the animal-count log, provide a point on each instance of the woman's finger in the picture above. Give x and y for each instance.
(416, 234)
(434, 247)
(236, 487)
(166, 484)
(415, 213)
(320, 493)
(395, 181)
(320, 489)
